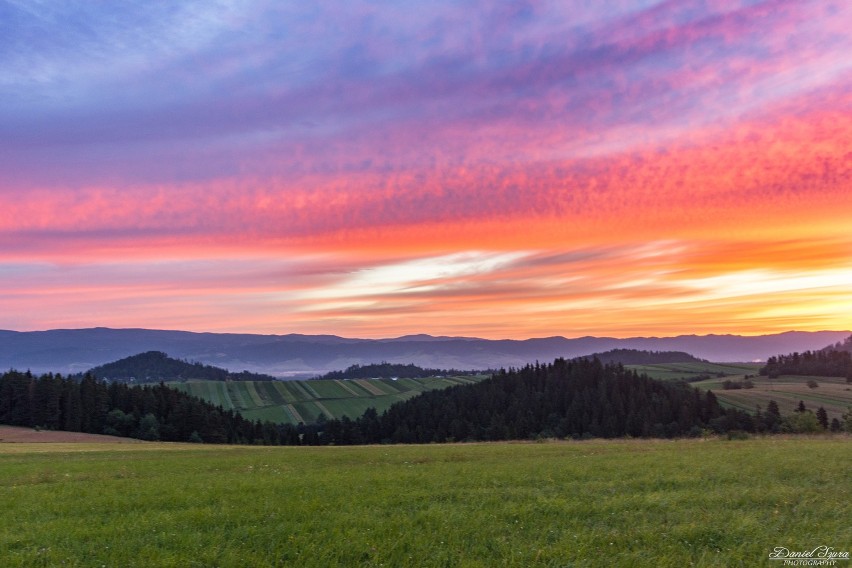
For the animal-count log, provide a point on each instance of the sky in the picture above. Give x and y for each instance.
(466, 168)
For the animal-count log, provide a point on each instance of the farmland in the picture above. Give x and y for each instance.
(617, 503)
(291, 402)
(675, 371)
(832, 393)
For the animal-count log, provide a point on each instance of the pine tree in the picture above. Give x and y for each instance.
(772, 408)
(822, 417)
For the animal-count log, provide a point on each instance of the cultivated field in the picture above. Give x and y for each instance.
(595, 503)
(832, 393)
(18, 435)
(672, 371)
(305, 401)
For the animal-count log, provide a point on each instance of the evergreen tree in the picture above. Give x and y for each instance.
(822, 417)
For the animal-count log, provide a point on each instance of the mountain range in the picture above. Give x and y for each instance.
(298, 356)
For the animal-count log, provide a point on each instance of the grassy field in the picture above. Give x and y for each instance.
(305, 401)
(673, 371)
(833, 393)
(594, 503)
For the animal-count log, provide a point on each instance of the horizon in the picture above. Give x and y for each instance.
(404, 336)
(368, 170)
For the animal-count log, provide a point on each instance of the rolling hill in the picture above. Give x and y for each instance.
(156, 366)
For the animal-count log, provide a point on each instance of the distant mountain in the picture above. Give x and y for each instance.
(77, 350)
(156, 366)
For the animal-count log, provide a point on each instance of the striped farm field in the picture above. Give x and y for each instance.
(292, 402)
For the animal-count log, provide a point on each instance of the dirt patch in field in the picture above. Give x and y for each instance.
(16, 434)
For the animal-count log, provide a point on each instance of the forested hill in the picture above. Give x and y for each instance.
(575, 398)
(638, 357)
(832, 361)
(387, 370)
(156, 366)
(149, 412)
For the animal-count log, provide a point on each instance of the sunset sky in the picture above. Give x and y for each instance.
(375, 169)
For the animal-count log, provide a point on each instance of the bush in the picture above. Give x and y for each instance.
(801, 423)
(812, 384)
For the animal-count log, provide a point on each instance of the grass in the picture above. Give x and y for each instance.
(833, 393)
(595, 503)
(269, 400)
(677, 371)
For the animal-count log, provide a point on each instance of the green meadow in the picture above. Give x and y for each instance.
(291, 402)
(676, 371)
(705, 502)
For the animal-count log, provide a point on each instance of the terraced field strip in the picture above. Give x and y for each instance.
(412, 385)
(294, 394)
(459, 380)
(390, 385)
(325, 410)
(294, 413)
(441, 383)
(211, 393)
(283, 391)
(275, 413)
(201, 390)
(330, 389)
(355, 407)
(299, 387)
(309, 388)
(254, 395)
(236, 394)
(309, 410)
(348, 388)
(270, 392)
(370, 386)
(466, 380)
(225, 399)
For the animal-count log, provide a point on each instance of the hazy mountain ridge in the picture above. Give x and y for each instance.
(77, 350)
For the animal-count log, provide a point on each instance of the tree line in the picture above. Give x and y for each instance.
(150, 412)
(824, 363)
(641, 357)
(387, 370)
(580, 398)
